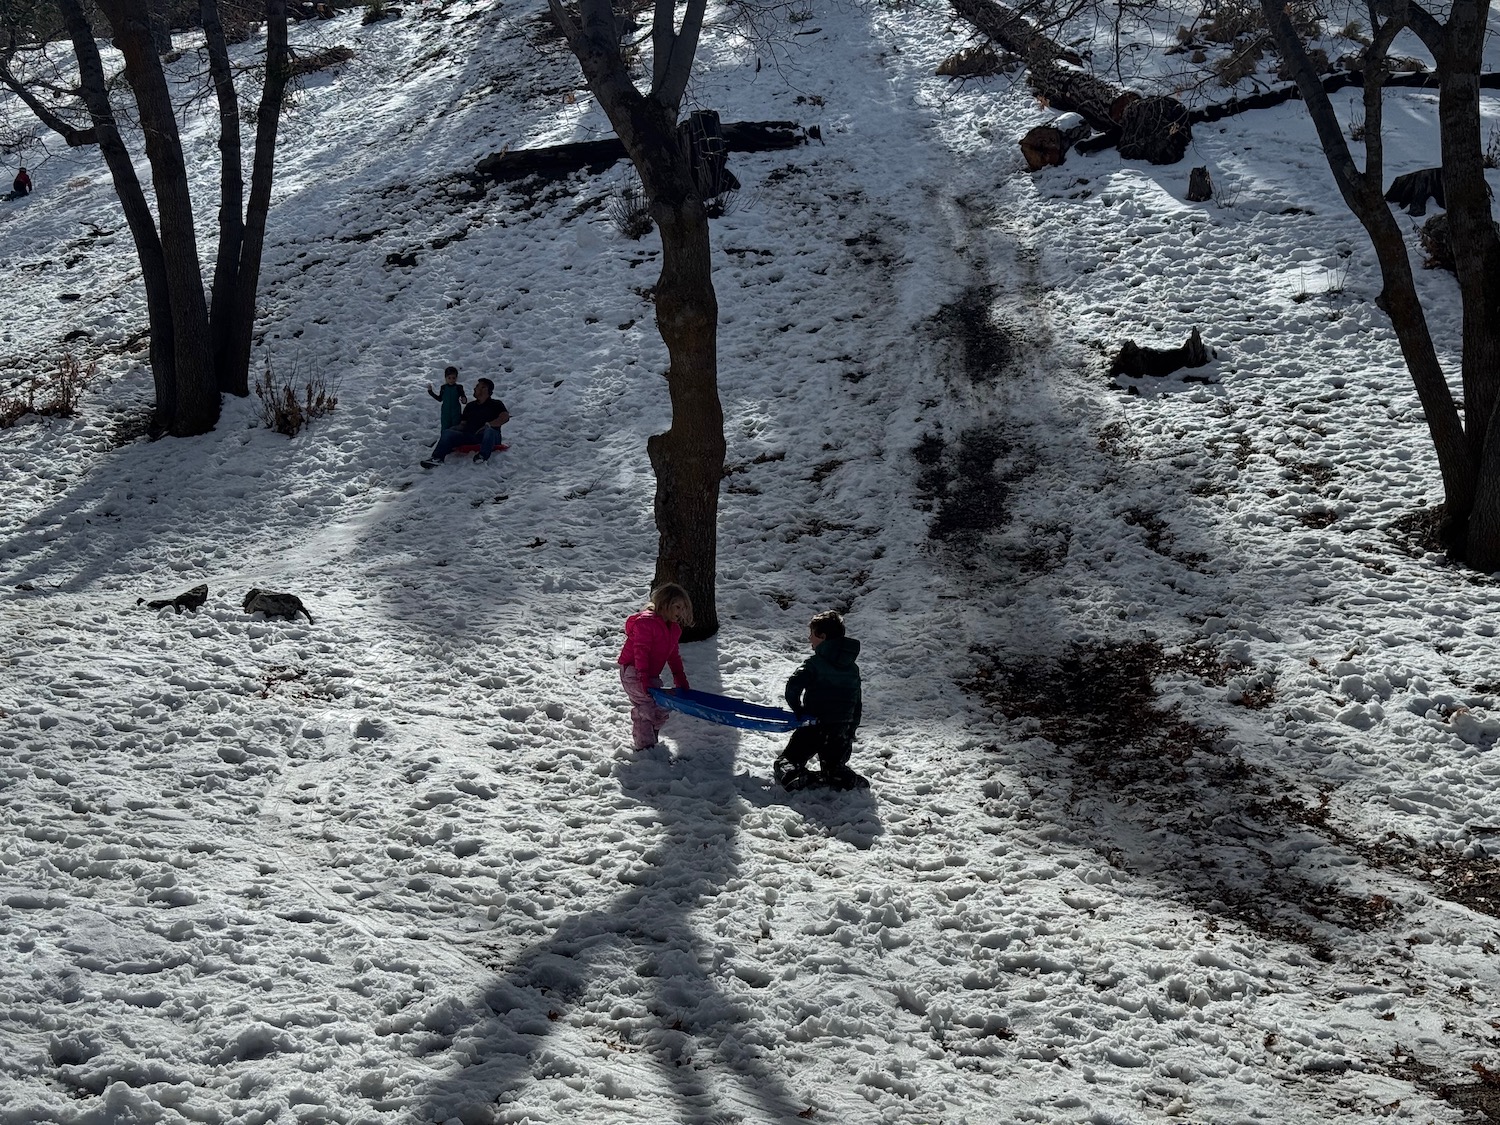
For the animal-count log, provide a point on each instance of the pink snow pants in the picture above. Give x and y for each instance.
(646, 716)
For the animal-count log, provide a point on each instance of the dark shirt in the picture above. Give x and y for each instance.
(478, 414)
(827, 684)
(22, 184)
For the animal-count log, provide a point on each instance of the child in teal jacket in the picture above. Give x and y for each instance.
(451, 396)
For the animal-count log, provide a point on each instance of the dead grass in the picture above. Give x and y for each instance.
(979, 61)
(288, 403)
(53, 394)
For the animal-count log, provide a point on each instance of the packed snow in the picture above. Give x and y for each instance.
(402, 865)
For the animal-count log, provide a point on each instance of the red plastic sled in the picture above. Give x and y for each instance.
(475, 448)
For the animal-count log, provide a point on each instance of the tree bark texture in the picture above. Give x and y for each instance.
(197, 389)
(688, 458)
(231, 192)
(138, 216)
(236, 374)
(1476, 256)
(1046, 146)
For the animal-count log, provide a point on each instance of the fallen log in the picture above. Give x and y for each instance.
(557, 161)
(1332, 83)
(1153, 129)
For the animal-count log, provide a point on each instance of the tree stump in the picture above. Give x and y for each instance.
(1200, 187)
(1046, 146)
(1135, 361)
(1412, 190)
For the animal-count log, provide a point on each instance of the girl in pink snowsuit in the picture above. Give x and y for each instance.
(650, 644)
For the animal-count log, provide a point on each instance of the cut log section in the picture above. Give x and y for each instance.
(1046, 146)
(558, 161)
(1135, 361)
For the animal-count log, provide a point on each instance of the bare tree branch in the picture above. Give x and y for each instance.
(679, 66)
(74, 136)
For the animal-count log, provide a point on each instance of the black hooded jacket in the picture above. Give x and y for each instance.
(827, 684)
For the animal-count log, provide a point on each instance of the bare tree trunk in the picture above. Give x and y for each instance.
(1362, 193)
(161, 26)
(262, 173)
(689, 457)
(137, 212)
(197, 390)
(1477, 258)
(231, 194)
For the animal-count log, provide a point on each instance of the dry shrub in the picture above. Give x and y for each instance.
(377, 10)
(1492, 148)
(280, 407)
(54, 396)
(1437, 241)
(980, 61)
(1228, 22)
(1354, 31)
(725, 203)
(630, 210)
(313, 61)
(1238, 65)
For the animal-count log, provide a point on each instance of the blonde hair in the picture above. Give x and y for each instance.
(667, 593)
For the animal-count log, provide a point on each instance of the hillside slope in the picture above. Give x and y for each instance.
(402, 865)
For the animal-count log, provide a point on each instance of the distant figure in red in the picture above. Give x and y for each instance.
(21, 185)
(651, 645)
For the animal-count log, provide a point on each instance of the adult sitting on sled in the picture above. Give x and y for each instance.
(20, 186)
(478, 425)
(827, 687)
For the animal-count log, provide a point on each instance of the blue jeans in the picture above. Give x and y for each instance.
(487, 438)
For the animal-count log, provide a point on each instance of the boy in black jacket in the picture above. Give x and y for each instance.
(826, 687)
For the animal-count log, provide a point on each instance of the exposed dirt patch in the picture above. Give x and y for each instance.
(985, 346)
(968, 483)
(1477, 1101)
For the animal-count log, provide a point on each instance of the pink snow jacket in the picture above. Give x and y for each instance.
(650, 643)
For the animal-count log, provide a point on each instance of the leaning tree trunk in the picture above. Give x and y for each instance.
(197, 390)
(236, 375)
(1363, 195)
(137, 212)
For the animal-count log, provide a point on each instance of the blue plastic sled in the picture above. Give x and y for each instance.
(729, 712)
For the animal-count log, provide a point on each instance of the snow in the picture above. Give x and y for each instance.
(402, 865)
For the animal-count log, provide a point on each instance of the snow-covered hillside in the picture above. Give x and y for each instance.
(401, 865)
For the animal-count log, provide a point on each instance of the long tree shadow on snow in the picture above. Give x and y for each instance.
(1179, 802)
(632, 992)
